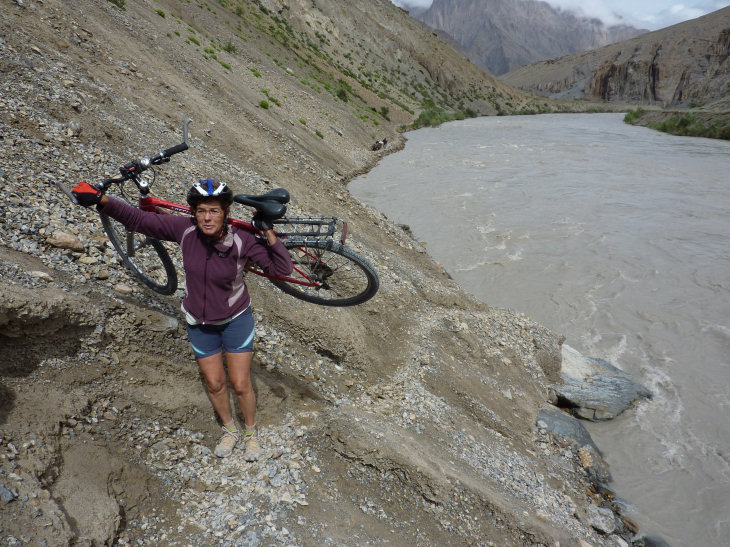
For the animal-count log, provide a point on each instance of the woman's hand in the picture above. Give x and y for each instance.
(87, 195)
(270, 237)
(261, 223)
(265, 226)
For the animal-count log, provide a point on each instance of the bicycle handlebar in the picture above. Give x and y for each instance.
(132, 169)
(165, 155)
(175, 149)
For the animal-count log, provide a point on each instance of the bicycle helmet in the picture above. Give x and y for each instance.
(209, 188)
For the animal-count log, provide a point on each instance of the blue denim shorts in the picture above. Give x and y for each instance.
(236, 336)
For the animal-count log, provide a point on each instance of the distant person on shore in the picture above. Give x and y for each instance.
(379, 144)
(216, 305)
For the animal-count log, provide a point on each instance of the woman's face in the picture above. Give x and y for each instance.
(210, 215)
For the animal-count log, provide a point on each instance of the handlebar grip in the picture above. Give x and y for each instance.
(175, 149)
(104, 185)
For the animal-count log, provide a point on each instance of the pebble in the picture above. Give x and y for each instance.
(6, 496)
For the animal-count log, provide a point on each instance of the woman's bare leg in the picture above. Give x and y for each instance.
(215, 380)
(239, 371)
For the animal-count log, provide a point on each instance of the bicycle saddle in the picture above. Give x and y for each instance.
(271, 204)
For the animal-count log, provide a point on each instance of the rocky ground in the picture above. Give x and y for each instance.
(411, 419)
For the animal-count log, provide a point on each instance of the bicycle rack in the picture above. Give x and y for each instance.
(310, 227)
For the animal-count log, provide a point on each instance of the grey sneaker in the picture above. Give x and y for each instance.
(227, 442)
(253, 449)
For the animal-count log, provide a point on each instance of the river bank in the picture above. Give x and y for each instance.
(545, 215)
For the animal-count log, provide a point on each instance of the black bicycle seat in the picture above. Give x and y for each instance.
(271, 204)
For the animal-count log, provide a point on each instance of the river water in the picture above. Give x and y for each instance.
(617, 237)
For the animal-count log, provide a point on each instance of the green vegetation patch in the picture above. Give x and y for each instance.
(633, 115)
(270, 98)
(433, 116)
(688, 124)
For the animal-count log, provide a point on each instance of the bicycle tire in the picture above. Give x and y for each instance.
(146, 257)
(345, 277)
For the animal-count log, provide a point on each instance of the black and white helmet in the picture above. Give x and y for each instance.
(207, 189)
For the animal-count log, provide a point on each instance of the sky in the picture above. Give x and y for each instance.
(649, 14)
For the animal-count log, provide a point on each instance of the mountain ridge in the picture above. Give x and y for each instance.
(679, 66)
(501, 35)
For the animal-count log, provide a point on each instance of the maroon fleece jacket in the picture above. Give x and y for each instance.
(214, 272)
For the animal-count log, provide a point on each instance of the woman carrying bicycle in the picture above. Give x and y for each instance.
(216, 305)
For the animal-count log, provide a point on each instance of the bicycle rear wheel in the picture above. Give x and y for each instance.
(329, 274)
(145, 256)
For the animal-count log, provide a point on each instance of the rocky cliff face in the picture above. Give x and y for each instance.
(501, 35)
(683, 65)
(410, 419)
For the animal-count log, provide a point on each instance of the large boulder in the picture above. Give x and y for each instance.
(593, 389)
(567, 430)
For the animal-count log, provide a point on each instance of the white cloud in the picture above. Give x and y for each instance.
(591, 8)
(412, 3)
(712, 5)
(651, 14)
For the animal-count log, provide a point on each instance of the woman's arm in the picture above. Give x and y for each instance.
(271, 256)
(165, 227)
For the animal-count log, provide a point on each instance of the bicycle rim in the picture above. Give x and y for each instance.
(145, 257)
(329, 274)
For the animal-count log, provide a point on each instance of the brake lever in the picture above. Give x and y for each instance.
(66, 191)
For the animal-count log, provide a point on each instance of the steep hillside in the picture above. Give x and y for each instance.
(502, 35)
(411, 419)
(679, 66)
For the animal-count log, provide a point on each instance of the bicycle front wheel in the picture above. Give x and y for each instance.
(145, 256)
(329, 274)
